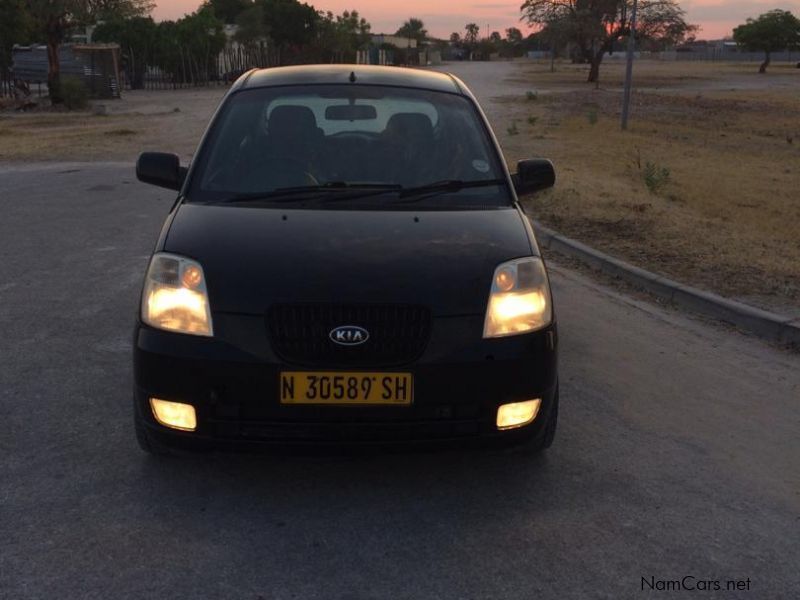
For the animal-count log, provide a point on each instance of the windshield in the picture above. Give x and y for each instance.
(341, 137)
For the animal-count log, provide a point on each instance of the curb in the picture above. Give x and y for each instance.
(764, 324)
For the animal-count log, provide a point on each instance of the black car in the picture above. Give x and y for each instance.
(346, 263)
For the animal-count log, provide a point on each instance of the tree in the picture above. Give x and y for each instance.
(228, 11)
(354, 29)
(55, 18)
(472, 32)
(556, 35)
(290, 23)
(413, 29)
(15, 28)
(340, 37)
(455, 38)
(771, 32)
(201, 39)
(250, 26)
(137, 38)
(596, 25)
(514, 36)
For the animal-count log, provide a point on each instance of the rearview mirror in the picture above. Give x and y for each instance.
(161, 169)
(351, 112)
(534, 175)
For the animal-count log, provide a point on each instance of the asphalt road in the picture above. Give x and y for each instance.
(678, 452)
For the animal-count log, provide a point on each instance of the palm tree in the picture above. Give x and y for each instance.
(413, 29)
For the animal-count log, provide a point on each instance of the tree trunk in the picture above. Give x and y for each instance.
(53, 66)
(765, 64)
(595, 59)
(594, 70)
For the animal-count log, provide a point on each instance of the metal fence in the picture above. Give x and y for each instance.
(728, 55)
(6, 85)
(96, 65)
(107, 75)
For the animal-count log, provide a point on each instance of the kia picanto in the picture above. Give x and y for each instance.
(346, 263)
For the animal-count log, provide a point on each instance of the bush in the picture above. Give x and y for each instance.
(655, 177)
(592, 117)
(532, 96)
(74, 93)
(532, 120)
(513, 130)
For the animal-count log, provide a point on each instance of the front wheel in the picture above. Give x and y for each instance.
(548, 436)
(146, 441)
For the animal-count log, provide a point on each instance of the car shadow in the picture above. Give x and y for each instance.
(458, 484)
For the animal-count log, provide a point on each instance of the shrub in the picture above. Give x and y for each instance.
(531, 96)
(513, 130)
(655, 177)
(592, 117)
(532, 120)
(75, 94)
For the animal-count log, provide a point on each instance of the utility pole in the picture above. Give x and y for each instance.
(626, 100)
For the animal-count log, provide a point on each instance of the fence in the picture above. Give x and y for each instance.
(96, 65)
(186, 70)
(178, 68)
(728, 55)
(6, 85)
(108, 74)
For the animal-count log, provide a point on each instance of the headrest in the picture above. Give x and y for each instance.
(286, 121)
(410, 125)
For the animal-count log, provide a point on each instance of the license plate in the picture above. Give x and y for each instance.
(304, 387)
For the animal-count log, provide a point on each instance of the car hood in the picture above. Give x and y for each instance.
(254, 257)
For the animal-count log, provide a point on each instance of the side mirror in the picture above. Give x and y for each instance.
(161, 169)
(534, 175)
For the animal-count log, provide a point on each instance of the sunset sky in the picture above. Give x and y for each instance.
(716, 17)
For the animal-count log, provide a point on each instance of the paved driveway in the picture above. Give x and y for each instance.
(678, 452)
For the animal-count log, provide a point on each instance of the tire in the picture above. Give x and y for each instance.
(146, 441)
(544, 441)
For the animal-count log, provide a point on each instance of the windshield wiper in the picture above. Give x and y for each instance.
(337, 191)
(415, 194)
(300, 193)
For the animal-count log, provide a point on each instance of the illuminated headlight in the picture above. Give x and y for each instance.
(519, 301)
(174, 414)
(175, 296)
(517, 414)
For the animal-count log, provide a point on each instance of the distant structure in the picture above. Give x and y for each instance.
(97, 65)
(389, 49)
(381, 39)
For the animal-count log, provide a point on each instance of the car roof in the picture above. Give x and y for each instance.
(363, 74)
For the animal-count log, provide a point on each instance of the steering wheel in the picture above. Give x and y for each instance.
(279, 172)
(292, 168)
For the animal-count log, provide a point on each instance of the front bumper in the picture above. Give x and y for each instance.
(232, 380)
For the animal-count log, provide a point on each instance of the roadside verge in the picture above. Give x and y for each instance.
(764, 324)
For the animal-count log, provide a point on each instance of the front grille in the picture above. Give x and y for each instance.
(299, 334)
(386, 432)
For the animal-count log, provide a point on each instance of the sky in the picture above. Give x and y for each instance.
(717, 18)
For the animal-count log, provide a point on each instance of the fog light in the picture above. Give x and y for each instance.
(517, 414)
(174, 414)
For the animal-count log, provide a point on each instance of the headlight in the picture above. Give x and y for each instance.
(175, 296)
(519, 301)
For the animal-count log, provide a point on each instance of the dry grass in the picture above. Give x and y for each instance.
(68, 136)
(727, 217)
(171, 121)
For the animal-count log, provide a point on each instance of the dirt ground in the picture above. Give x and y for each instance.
(172, 121)
(704, 187)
